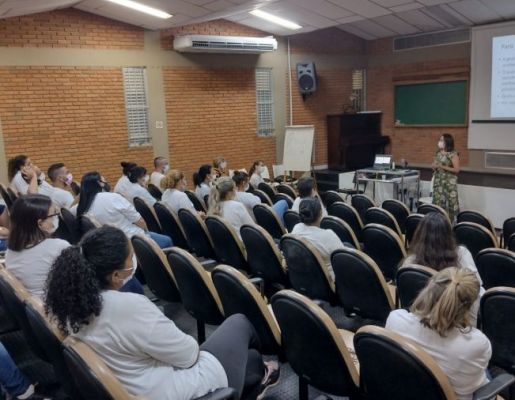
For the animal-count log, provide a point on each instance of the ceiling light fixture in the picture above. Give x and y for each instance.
(142, 8)
(275, 19)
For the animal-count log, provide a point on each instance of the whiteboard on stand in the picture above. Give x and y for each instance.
(298, 147)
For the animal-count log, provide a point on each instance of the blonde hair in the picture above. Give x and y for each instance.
(221, 188)
(445, 302)
(171, 179)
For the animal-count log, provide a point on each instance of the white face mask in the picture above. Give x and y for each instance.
(223, 165)
(134, 265)
(146, 179)
(55, 224)
(166, 169)
(441, 145)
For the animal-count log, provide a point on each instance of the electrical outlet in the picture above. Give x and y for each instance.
(159, 124)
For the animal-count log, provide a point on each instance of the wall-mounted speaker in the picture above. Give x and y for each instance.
(307, 77)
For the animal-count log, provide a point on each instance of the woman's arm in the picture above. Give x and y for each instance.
(142, 224)
(455, 169)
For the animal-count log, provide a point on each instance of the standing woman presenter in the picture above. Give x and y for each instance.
(446, 167)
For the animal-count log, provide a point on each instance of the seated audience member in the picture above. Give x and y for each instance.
(174, 197)
(219, 167)
(4, 227)
(30, 249)
(113, 209)
(306, 188)
(61, 180)
(325, 240)
(123, 183)
(144, 349)
(24, 176)
(161, 167)
(137, 187)
(434, 246)
(255, 174)
(222, 203)
(439, 322)
(202, 181)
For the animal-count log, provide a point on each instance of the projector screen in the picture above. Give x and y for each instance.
(492, 88)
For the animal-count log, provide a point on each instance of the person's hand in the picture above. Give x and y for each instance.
(202, 215)
(29, 172)
(435, 166)
(4, 232)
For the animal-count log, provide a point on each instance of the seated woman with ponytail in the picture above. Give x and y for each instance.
(174, 197)
(143, 348)
(137, 187)
(123, 183)
(439, 322)
(202, 181)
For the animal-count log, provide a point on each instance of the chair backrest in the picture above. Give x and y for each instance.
(268, 219)
(265, 198)
(155, 191)
(195, 200)
(171, 225)
(474, 237)
(197, 234)
(268, 189)
(361, 286)
(155, 267)
(497, 309)
(412, 222)
(306, 270)
(342, 229)
(291, 218)
(376, 215)
(71, 224)
(285, 197)
(6, 196)
(385, 247)
(330, 197)
(11, 193)
(410, 280)
(496, 267)
(313, 345)
(240, 296)
(510, 244)
(508, 229)
(264, 258)
(477, 217)
(286, 189)
(90, 374)
(348, 214)
(227, 244)
(148, 214)
(87, 223)
(392, 367)
(362, 203)
(399, 210)
(198, 294)
(206, 201)
(426, 208)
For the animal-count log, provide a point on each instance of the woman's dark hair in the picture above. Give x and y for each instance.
(15, 164)
(26, 211)
(79, 274)
(310, 210)
(127, 166)
(254, 166)
(136, 173)
(200, 176)
(89, 188)
(433, 243)
(305, 186)
(239, 177)
(448, 142)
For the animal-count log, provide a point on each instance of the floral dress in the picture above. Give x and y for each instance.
(445, 186)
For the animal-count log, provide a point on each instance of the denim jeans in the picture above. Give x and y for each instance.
(11, 378)
(280, 208)
(161, 240)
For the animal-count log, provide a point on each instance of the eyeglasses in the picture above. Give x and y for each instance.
(52, 215)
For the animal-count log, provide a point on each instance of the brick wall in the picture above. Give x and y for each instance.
(69, 28)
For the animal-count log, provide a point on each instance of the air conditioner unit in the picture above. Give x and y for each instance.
(224, 44)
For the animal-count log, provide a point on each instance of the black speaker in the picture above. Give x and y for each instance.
(307, 77)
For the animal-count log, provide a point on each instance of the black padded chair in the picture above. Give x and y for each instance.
(206, 201)
(171, 225)
(399, 210)
(348, 214)
(285, 197)
(330, 197)
(6, 196)
(265, 199)
(240, 296)
(13, 195)
(306, 270)
(198, 295)
(287, 189)
(508, 229)
(291, 218)
(510, 245)
(268, 189)
(376, 215)
(87, 223)
(385, 247)
(156, 270)
(197, 234)
(392, 367)
(477, 217)
(268, 219)
(410, 280)
(195, 200)
(496, 267)
(426, 208)
(227, 244)
(360, 285)
(362, 203)
(412, 222)
(474, 237)
(155, 191)
(342, 230)
(148, 214)
(71, 224)
(317, 351)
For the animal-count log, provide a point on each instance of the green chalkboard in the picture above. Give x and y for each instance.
(434, 103)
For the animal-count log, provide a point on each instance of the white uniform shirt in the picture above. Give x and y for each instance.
(325, 241)
(249, 200)
(122, 185)
(115, 210)
(148, 354)
(236, 214)
(60, 197)
(31, 266)
(296, 205)
(463, 356)
(155, 179)
(255, 180)
(175, 200)
(136, 190)
(18, 184)
(202, 191)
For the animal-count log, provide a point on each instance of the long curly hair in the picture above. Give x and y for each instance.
(80, 274)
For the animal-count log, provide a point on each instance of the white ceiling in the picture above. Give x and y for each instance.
(369, 19)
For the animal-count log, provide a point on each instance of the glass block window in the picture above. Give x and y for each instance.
(136, 105)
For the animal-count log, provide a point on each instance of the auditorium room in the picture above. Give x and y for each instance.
(257, 200)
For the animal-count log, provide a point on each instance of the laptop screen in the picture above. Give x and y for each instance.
(382, 160)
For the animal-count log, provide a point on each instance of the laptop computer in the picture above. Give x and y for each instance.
(382, 162)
